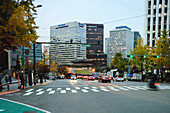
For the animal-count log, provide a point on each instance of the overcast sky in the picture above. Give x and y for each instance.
(55, 12)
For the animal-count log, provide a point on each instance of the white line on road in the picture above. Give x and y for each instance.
(26, 105)
(95, 90)
(112, 88)
(68, 89)
(94, 87)
(63, 91)
(39, 90)
(122, 88)
(58, 89)
(49, 89)
(86, 87)
(129, 87)
(29, 93)
(77, 87)
(40, 93)
(104, 89)
(84, 90)
(51, 92)
(29, 90)
(1, 109)
(73, 91)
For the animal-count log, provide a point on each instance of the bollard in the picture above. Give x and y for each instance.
(8, 86)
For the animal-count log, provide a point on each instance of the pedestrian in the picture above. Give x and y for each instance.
(6, 79)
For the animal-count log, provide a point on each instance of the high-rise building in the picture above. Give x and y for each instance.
(94, 37)
(136, 37)
(121, 41)
(106, 44)
(74, 32)
(157, 18)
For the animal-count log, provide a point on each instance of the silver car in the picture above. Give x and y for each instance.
(73, 77)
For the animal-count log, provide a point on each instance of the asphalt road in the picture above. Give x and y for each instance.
(77, 96)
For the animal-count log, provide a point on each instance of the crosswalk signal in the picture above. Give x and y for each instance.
(157, 56)
(131, 56)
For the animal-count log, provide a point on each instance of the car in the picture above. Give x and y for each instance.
(73, 77)
(104, 79)
(53, 78)
(60, 77)
(91, 78)
(85, 78)
(79, 76)
(119, 78)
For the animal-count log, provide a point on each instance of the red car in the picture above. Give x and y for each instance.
(85, 78)
(91, 78)
(79, 76)
(104, 79)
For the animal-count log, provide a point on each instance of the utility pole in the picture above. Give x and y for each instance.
(34, 64)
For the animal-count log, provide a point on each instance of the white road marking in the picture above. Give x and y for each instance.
(122, 88)
(77, 87)
(63, 91)
(39, 90)
(58, 89)
(73, 91)
(68, 89)
(84, 90)
(29, 93)
(29, 90)
(104, 89)
(95, 90)
(162, 87)
(1, 109)
(112, 88)
(101, 86)
(51, 92)
(129, 87)
(26, 105)
(167, 87)
(40, 93)
(86, 87)
(49, 89)
(141, 87)
(94, 87)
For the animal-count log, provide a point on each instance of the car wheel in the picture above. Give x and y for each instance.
(110, 81)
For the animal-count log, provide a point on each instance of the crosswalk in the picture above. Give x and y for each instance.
(86, 89)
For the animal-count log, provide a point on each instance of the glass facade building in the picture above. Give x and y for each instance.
(63, 54)
(94, 37)
(157, 18)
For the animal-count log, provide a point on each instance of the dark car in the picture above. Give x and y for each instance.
(60, 77)
(104, 79)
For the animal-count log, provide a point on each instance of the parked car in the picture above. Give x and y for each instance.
(73, 77)
(85, 78)
(91, 78)
(119, 78)
(60, 77)
(104, 79)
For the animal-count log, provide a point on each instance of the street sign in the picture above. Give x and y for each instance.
(86, 45)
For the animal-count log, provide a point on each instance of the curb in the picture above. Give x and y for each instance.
(38, 85)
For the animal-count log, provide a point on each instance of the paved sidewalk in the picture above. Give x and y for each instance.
(14, 86)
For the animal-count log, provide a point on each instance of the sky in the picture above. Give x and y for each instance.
(111, 13)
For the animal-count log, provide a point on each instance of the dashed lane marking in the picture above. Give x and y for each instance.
(77, 87)
(29, 93)
(128, 87)
(73, 91)
(68, 89)
(51, 92)
(104, 89)
(63, 91)
(39, 90)
(122, 88)
(86, 87)
(58, 89)
(112, 88)
(49, 89)
(1, 109)
(40, 93)
(94, 87)
(84, 90)
(95, 90)
(29, 90)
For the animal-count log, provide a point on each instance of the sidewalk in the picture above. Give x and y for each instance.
(14, 86)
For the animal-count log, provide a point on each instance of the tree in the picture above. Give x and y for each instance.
(53, 67)
(118, 62)
(63, 70)
(16, 24)
(162, 50)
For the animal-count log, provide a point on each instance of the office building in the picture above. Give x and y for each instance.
(121, 41)
(157, 18)
(94, 37)
(136, 37)
(47, 52)
(74, 32)
(106, 44)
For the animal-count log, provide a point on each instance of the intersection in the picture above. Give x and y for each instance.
(75, 96)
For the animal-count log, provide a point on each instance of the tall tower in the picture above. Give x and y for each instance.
(157, 18)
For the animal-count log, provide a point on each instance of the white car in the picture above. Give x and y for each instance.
(73, 77)
(120, 78)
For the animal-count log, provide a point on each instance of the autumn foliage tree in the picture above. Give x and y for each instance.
(63, 70)
(17, 26)
(53, 67)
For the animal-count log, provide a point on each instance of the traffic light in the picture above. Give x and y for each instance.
(144, 56)
(157, 56)
(131, 56)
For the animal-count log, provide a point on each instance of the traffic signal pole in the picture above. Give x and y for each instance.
(34, 64)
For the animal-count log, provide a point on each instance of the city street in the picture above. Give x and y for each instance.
(77, 96)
